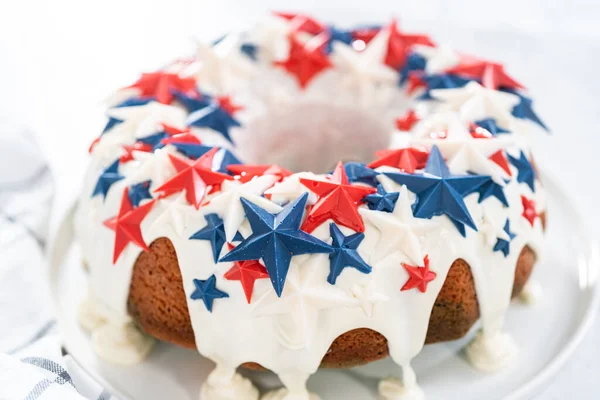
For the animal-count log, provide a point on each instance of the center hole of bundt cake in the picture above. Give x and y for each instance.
(312, 137)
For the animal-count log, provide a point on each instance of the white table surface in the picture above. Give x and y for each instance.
(59, 59)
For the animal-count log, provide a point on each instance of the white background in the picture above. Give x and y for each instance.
(59, 59)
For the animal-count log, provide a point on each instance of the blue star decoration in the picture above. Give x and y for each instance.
(442, 81)
(491, 188)
(526, 172)
(337, 35)
(439, 192)
(214, 232)
(359, 172)
(134, 101)
(490, 125)
(214, 117)
(382, 200)
(504, 245)
(524, 109)
(414, 62)
(155, 140)
(276, 238)
(345, 253)
(207, 292)
(250, 50)
(106, 179)
(192, 103)
(138, 192)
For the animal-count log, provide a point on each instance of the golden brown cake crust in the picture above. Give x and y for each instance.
(157, 303)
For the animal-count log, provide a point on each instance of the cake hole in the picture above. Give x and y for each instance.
(312, 137)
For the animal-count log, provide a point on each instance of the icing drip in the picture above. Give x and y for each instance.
(225, 384)
(532, 293)
(282, 394)
(405, 389)
(491, 353)
(295, 388)
(121, 344)
(88, 315)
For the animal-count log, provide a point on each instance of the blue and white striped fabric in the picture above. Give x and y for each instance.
(32, 363)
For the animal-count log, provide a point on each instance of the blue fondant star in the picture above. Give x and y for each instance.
(207, 291)
(155, 139)
(132, 102)
(382, 200)
(276, 238)
(524, 109)
(225, 158)
(491, 188)
(214, 231)
(438, 192)
(337, 35)
(106, 179)
(345, 254)
(238, 237)
(138, 192)
(192, 103)
(359, 172)
(526, 172)
(215, 118)
(442, 81)
(192, 150)
(504, 245)
(491, 126)
(414, 62)
(250, 50)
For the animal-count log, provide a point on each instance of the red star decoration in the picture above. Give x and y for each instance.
(399, 45)
(415, 81)
(407, 159)
(418, 277)
(491, 74)
(529, 211)
(500, 159)
(247, 272)
(406, 122)
(305, 62)
(130, 148)
(302, 23)
(477, 132)
(197, 178)
(338, 200)
(245, 172)
(365, 35)
(93, 144)
(127, 225)
(226, 104)
(177, 135)
(160, 84)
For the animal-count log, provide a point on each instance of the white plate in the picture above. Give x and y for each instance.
(547, 333)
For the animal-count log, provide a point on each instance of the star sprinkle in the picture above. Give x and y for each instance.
(193, 101)
(126, 225)
(305, 62)
(247, 272)
(139, 192)
(418, 277)
(197, 178)
(129, 149)
(207, 292)
(406, 159)
(524, 110)
(400, 44)
(490, 74)
(359, 172)
(502, 244)
(214, 117)
(490, 228)
(160, 85)
(526, 173)
(490, 125)
(529, 211)
(337, 200)
(214, 232)
(250, 50)
(439, 192)
(246, 173)
(345, 254)
(500, 159)
(439, 59)
(106, 179)
(276, 238)
(382, 200)
(492, 189)
(228, 203)
(176, 214)
(367, 297)
(290, 189)
(407, 121)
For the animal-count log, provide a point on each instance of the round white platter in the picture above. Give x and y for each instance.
(546, 332)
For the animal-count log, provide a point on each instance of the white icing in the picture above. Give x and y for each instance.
(532, 293)
(290, 335)
(282, 394)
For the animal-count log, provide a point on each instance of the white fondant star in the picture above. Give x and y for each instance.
(140, 121)
(291, 188)
(155, 166)
(227, 204)
(306, 293)
(439, 59)
(492, 228)
(120, 96)
(176, 214)
(474, 102)
(367, 296)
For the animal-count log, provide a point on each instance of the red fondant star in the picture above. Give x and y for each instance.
(246, 172)
(247, 272)
(305, 62)
(406, 122)
(127, 225)
(177, 135)
(415, 81)
(408, 159)
(302, 23)
(418, 277)
(500, 158)
(197, 178)
(529, 211)
(161, 84)
(399, 45)
(226, 104)
(338, 200)
(130, 148)
(491, 74)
